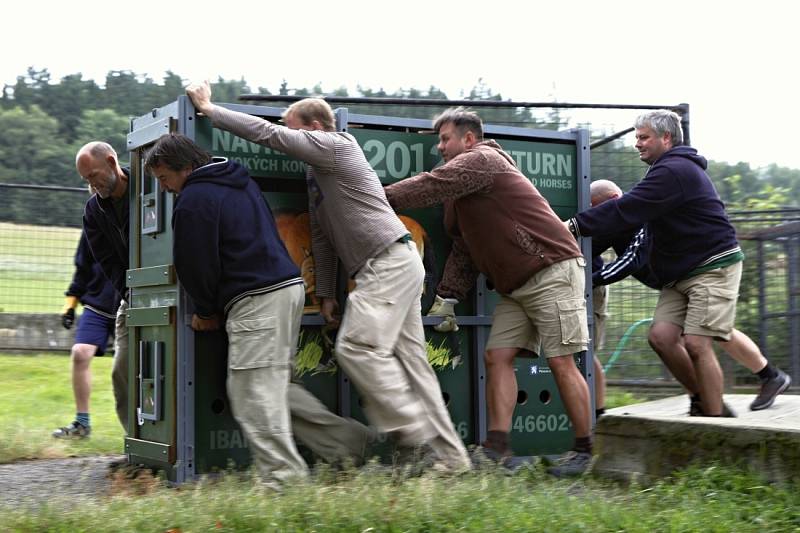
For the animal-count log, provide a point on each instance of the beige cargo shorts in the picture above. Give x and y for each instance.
(704, 304)
(546, 315)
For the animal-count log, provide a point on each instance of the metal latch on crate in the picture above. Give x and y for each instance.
(150, 380)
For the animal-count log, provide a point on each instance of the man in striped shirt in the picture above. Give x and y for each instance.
(381, 343)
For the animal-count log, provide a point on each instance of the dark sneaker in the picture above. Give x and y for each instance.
(696, 409)
(76, 430)
(770, 389)
(495, 455)
(483, 456)
(415, 460)
(571, 464)
(404, 455)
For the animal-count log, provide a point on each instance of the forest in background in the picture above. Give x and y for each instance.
(44, 121)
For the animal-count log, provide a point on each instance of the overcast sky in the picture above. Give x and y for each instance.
(734, 62)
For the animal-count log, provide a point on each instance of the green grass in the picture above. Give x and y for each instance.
(36, 397)
(43, 383)
(702, 500)
(36, 267)
(618, 398)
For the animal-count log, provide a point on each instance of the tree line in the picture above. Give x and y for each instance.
(43, 122)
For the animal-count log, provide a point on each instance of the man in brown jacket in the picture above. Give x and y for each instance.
(503, 227)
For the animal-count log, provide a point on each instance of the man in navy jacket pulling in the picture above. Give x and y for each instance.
(694, 253)
(234, 266)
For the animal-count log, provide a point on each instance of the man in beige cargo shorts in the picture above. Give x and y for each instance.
(694, 255)
(503, 227)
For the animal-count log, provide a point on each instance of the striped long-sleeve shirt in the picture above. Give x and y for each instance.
(350, 217)
(631, 260)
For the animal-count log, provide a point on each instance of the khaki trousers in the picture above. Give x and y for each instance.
(600, 306)
(262, 339)
(119, 370)
(381, 346)
(333, 438)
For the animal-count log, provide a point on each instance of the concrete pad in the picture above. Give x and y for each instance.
(650, 440)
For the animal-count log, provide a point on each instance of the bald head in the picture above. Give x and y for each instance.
(602, 190)
(96, 150)
(97, 164)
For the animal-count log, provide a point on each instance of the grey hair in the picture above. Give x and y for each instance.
(662, 121)
(462, 118)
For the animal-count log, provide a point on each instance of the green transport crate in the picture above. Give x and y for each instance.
(180, 419)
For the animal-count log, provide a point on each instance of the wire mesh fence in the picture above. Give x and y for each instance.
(770, 290)
(767, 311)
(37, 260)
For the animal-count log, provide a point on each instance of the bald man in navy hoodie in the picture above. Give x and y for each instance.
(694, 251)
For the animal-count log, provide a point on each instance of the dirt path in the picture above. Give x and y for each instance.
(32, 483)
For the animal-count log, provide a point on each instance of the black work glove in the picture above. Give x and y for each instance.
(68, 318)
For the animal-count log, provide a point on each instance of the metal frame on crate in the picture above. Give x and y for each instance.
(682, 109)
(148, 219)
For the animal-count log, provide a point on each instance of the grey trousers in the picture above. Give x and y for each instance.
(381, 346)
(119, 371)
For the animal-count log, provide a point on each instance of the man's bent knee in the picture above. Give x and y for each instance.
(663, 334)
(698, 346)
(500, 356)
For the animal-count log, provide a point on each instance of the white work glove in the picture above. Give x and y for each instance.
(444, 307)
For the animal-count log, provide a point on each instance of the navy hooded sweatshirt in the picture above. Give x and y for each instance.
(106, 227)
(226, 244)
(684, 215)
(90, 285)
